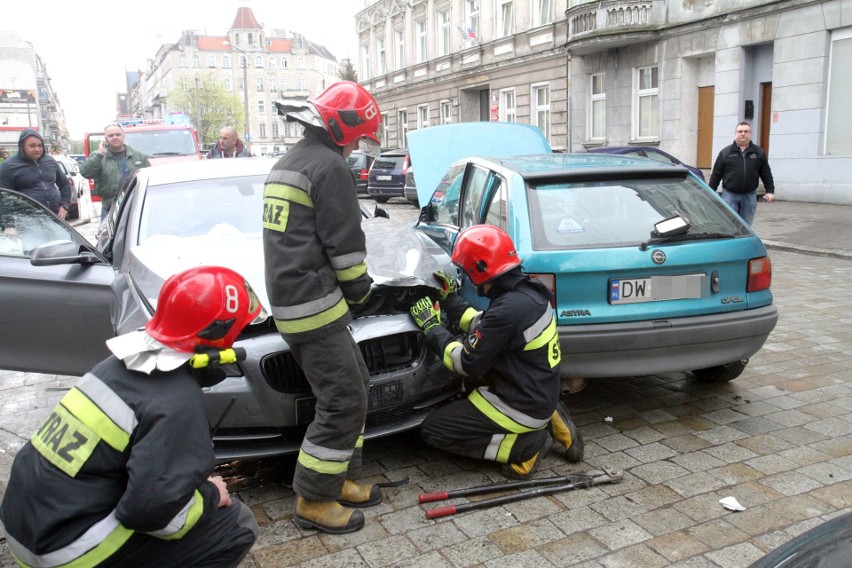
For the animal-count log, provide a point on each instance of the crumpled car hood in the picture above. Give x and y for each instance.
(397, 255)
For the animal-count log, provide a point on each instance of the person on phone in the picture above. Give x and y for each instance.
(36, 174)
(229, 145)
(121, 472)
(113, 160)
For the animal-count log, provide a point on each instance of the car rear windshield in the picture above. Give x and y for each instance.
(389, 163)
(612, 213)
(356, 160)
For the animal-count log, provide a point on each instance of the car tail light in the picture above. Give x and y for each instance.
(364, 173)
(759, 274)
(549, 280)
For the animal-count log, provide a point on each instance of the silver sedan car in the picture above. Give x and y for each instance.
(61, 297)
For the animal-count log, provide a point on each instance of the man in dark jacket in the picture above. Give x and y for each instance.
(36, 174)
(512, 347)
(316, 271)
(108, 166)
(120, 472)
(229, 145)
(740, 167)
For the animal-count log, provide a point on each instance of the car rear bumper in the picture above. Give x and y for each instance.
(665, 345)
(385, 191)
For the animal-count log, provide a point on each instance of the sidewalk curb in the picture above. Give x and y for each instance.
(802, 249)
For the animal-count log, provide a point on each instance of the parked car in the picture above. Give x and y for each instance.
(647, 152)
(79, 158)
(409, 191)
(81, 198)
(360, 163)
(386, 178)
(70, 296)
(652, 273)
(827, 545)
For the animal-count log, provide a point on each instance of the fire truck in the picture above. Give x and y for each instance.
(164, 140)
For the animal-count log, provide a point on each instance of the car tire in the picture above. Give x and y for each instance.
(381, 198)
(721, 373)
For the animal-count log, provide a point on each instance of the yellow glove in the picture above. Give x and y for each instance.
(426, 314)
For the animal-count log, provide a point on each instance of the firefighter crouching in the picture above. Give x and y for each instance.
(513, 346)
(119, 473)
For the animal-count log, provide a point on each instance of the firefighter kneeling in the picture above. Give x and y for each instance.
(513, 345)
(119, 474)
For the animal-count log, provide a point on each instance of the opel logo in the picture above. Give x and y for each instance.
(658, 257)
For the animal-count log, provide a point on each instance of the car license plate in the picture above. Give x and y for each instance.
(383, 178)
(655, 288)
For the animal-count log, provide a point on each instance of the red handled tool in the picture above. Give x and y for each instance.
(546, 486)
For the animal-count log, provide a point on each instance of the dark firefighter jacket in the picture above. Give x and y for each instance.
(514, 344)
(122, 452)
(41, 179)
(314, 248)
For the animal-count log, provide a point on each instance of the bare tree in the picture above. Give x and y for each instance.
(209, 105)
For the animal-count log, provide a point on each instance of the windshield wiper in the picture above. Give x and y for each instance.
(170, 154)
(685, 237)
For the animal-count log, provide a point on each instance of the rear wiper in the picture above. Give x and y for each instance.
(170, 154)
(685, 237)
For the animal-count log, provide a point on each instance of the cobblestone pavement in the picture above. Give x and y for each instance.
(779, 439)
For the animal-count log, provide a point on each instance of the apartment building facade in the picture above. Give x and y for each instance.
(256, 65)
(676, 75)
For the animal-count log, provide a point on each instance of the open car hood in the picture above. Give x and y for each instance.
(397, 255)
(435, 149)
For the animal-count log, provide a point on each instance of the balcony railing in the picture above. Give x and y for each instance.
(605, 23)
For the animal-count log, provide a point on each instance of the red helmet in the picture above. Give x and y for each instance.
(484, 252)
(349, 113)
(207, 305)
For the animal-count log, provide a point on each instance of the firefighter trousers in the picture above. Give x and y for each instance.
(462, 429)
(331, 449)
(220, 542)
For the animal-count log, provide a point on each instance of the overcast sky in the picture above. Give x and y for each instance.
(87, 46)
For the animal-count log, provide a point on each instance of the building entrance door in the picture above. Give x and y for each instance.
(704, 147)
(765, 115)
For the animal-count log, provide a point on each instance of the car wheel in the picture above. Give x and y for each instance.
(381, 198)
(721, 373)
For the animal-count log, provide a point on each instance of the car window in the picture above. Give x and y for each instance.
(24, 225)
(497, 213)
(622, 212)
(475, 188)
(445, 200)
(656, 156)
(62, 167)
(388, 163)
(356, 160)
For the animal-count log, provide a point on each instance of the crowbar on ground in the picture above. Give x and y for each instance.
(546, 486)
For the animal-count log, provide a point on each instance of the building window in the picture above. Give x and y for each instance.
(399, 48)
(271, 64)
(300, 63)
(241, 84)
(250, 39)
(284, 63)
(597, 107)
(647, 111)
(301, 84)
(182, 61)
(471, 16)
(236, 39)
(380, 57)
(443, 38)
(420, 41)
(385, 127)
(541, 12)
(540, 108)
(196, 61)
(211, 61)
(273, 84)
(508, 110)
(285, 84)
(423, 116)
(365, 61)
(258, 61)
(229, 86)
(261, 106)
(275, 129)
(446, 112)
(505, 18)
(262, 127)
(259, 83)
(402, 128)
(226, 61)
(838, 106)
(242, 61)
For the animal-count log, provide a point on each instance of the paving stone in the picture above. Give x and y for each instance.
(721, 435)
(651, 452)
(718, 533)
(524, 559)
(347, 558)
(293, 552)
(763, 444)
(658, 472)
(686, 443)
(835, 447)
(654, 496)
(789, 418)
(484, 521)
(702, 507)
(645, 435)
(831, 427)
(725, 416)
(757, 520)
(662, 521)
(730, 453)
(618, 508)
(755, 408)
(572, 550)
(620, 534)
(527, 536)
(697, 461)
(791, 483)
(472, 552)
(697, 562)
(616, 442)
(570, 522)
(771, 464)
(826, 473)
(615, 460)
(676, 546)
(695, 484)
(673, 429)
(838, 496)
(373, 531)
(756, 425)
(736, 556)
(800, 507)
(428, 560)
(436, 537)
(389, 551)
(735, 473)
(637, 555)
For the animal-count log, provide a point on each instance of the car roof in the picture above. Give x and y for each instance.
(538, 167)
(207, 169)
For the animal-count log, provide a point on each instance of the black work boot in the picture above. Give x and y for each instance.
(355, 495)
(525, 470)
(328, 516)
(566, 433)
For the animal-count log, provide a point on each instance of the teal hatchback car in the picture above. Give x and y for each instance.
(652, 272)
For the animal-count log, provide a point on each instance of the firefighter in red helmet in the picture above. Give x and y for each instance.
(120, 472)
(316, 276)
(512, 348)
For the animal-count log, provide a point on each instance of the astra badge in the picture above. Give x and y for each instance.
(658, 257)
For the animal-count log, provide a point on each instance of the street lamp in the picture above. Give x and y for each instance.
(245, 87)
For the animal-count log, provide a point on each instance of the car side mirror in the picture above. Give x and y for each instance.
(60, 252)
(381, 212)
